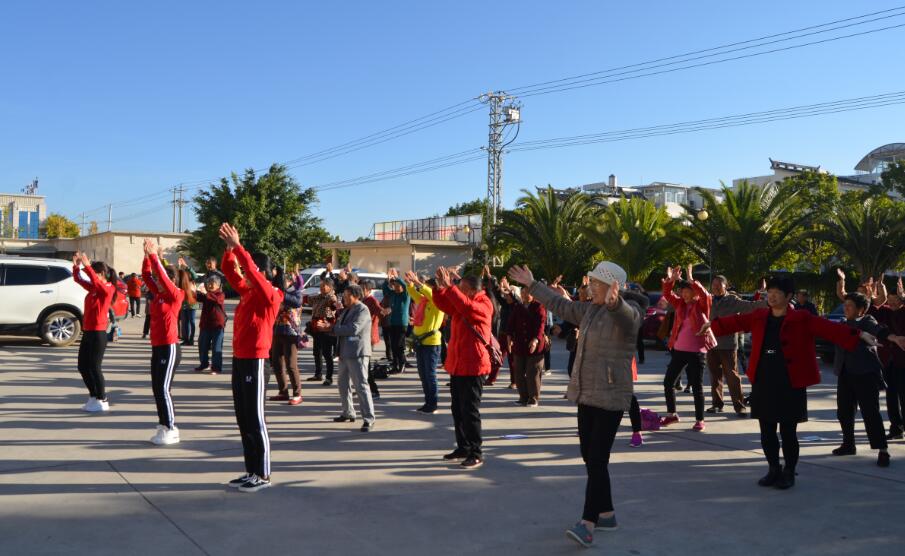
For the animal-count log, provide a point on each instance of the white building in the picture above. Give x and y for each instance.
(672, 196)
(22, 215)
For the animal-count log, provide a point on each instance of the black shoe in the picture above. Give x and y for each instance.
(375, 395)
(845, 450)
(687, 389)
(427, 410)
(714, 409)
(894, 435)
(458, 453)
(201, 368)
(472, 462)
(786, 479)
(883, 459)
(367, 427)
(315, 378)
(343, 419)
(742, 413)
(678, 387)
(328, 382)
(771, 477)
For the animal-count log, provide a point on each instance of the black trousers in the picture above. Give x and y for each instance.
(397, 347)
(571, 361)
(640, 346)
(693, 363)
(323, 353)
(770, 443)
(895, 396)
(164, 360)
(91, 356)
(852, 392)
(248, 399)
(597, 430)
(147, 325)
(465, 392)
(134, 305)
(634, 414)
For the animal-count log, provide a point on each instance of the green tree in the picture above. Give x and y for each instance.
(636, 235)
(819, 192)
(272, 213)
(868, 232)
(478, 206)
(547, 233)
(57, 226)
(893, 178)
(749, 232)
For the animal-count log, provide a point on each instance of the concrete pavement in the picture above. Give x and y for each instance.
(72, 483)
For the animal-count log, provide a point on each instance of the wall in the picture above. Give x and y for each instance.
(373, 259)
(427, 259)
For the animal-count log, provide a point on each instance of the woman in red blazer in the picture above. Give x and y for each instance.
(783, 364)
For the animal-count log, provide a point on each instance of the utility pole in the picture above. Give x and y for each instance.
(504, 112)
(174, 210)
(110, 217)
(82, 227)
(178, 203)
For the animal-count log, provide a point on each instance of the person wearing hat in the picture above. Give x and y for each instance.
(803, 302)
(601, 382)
(783, 364)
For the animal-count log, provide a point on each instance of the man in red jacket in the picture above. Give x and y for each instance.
(259, 302)
(467, 360)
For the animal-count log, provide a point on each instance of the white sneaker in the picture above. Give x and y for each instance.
(91, 401)
(95, 405)
(165, 436)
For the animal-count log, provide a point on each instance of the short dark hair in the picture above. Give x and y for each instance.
(782, 283)
(859, 299)
(681, 284)
(263, 262)
(722, 279)
(472, 281)
(354, 290)
(367, 284)
(327, 282)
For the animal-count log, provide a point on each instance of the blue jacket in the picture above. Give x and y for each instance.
(399, 303)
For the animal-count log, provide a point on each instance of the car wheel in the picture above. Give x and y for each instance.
(60, 328)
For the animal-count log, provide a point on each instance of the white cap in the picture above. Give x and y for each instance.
(608, 272)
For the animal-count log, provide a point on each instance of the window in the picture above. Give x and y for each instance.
(58, 274)
(18, 275)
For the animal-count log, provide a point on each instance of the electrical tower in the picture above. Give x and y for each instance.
(178, 203)
(504, 112)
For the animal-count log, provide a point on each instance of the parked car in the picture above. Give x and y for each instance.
(827, 350)
(38, 296)
(311, 282)
(653, 319)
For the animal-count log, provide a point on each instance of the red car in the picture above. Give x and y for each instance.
(121, 305)
(656, 314)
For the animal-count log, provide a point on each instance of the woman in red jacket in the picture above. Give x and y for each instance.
(467, 360)
(92, 277)
(165, 352)
(783, 364)
(259, 302)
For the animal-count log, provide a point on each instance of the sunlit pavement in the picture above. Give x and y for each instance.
(72, 483)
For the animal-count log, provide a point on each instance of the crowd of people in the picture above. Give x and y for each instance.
(470, 326)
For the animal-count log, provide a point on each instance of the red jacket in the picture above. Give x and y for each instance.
(166, 303)
(894, 320)
(526, 323)
(97, 302)
(374, 308)
(213, 315)
(259, 303)
(797, 334)
(134, 285)
(699, 314)
(466, 354)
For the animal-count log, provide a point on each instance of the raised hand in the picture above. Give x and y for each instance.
(690, 271)
(442, 276)
(181, 263)
(485, 272)
(76, 258)
(330, 268)
(900, 289)
(454, 273)
(150, 247)
(412, 278)
(557, 281)
(521, 275)
(585, 280)
(840, 273)
(561, 290)
(229, 235)
(763, 284)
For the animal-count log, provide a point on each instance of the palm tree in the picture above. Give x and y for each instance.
(746, 234)
(545, 231)
(868, 232)
(636, 235)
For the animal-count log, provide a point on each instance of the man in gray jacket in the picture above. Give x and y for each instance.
(723, 359)
(353, 329)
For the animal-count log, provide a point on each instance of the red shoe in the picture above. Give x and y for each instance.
(668, 420)
(281, 397)
(295, 400)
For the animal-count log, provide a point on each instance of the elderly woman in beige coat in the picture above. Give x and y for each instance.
(601, 382)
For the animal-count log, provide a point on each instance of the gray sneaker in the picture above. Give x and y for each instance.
(606, 524)
(580, 534)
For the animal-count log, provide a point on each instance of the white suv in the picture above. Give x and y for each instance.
(40, 296)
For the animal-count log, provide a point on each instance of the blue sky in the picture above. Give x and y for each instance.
(109, 101)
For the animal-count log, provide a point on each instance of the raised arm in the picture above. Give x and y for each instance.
(842, 335)
(228, 266)
(167, 288)
(572, 311)
(146, 276)
(739, 305)
(731, 324)
(840, 285)
(260, 284)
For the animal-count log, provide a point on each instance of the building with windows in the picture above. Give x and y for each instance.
(415, 245)
(672, 196)
(22, 215)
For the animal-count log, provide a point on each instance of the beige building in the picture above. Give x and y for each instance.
(416, 245)
(122, 250)
(22, 215)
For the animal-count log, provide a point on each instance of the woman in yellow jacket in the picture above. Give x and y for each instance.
(426, 334)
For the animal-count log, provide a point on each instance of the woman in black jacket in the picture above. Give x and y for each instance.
(860, 380)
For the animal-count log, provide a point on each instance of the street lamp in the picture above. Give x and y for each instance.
(702, 215)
